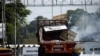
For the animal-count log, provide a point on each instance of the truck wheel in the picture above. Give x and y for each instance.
(41, 51)
(76, 54)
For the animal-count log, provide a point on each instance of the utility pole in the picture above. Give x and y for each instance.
(3, 17)
(15, 7)
(52, 9)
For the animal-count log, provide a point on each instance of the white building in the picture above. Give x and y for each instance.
(8, 1)
(2, 28)
(90, 47)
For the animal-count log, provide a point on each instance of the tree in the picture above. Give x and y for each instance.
(20, 14)
(33, 24)
(30, 30)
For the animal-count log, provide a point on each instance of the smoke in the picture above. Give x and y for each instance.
(87, 26)
(91, 37)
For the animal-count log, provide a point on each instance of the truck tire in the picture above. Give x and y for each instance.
(75, 53)
(41, 51)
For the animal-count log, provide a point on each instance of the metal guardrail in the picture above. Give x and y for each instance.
(60, 2)
(57, 2)
(41, 23)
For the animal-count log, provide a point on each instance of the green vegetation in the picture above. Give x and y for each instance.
(31, 29)
(11, 15)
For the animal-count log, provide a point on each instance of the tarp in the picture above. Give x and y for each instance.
(68, 35)
(53, 28)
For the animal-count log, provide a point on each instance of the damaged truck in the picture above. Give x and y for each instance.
(54, 37)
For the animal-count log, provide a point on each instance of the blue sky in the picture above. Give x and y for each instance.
(47, 11)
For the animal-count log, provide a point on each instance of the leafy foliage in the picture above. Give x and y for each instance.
(33, 24)
(18, 12)
(31, 30)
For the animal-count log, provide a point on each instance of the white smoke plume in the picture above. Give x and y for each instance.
(87, 25)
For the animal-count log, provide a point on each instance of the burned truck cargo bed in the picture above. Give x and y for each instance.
(58, 32)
